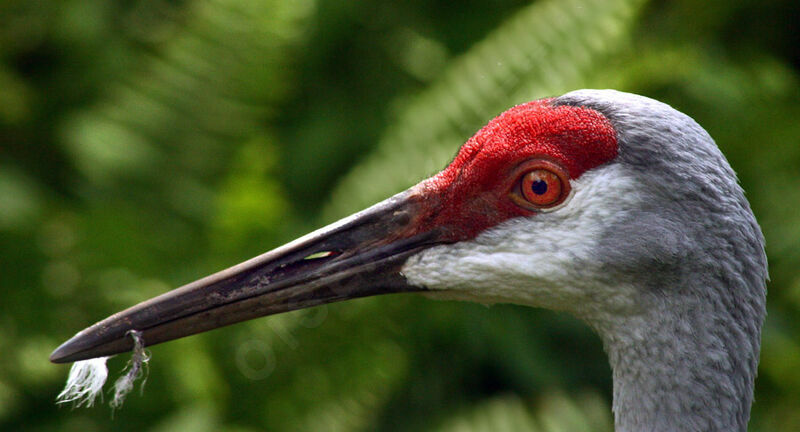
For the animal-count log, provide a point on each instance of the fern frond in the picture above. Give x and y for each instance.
(180, 107)
(554, 412)
(545, 49)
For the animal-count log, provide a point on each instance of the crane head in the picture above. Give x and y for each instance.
(573, 203)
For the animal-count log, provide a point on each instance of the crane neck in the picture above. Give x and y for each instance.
(686, 364)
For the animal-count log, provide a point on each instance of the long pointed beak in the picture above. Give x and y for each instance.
(359, 256)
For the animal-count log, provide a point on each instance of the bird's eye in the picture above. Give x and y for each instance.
(541, 187)
(543, 184)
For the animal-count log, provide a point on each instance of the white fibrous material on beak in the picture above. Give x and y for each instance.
(87, 377)
(136, 368)
(85, 381)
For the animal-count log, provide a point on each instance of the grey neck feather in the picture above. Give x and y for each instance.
(686, 359)
(677, 369)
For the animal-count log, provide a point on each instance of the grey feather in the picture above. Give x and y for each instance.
(687, 361)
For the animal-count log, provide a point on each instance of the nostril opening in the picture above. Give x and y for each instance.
(321, 254)
(316, 258)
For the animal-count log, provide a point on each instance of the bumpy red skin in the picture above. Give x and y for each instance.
(472, 193)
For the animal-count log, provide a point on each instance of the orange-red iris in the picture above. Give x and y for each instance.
(541, 187)
(543, 184)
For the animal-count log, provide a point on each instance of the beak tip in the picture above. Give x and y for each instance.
(68, 352)
(59, 355)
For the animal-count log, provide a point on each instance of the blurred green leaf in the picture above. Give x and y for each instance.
(22, 200)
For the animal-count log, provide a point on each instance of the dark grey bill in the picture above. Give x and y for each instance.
(356, 257)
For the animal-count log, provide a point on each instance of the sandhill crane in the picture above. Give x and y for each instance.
(610, 206)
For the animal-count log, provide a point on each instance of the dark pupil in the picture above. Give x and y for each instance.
(539, 187)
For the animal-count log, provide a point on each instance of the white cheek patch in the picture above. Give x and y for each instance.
(544, 260)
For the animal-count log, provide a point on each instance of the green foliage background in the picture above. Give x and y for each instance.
(146, 143)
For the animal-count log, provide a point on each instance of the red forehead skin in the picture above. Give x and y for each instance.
(472, 193)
